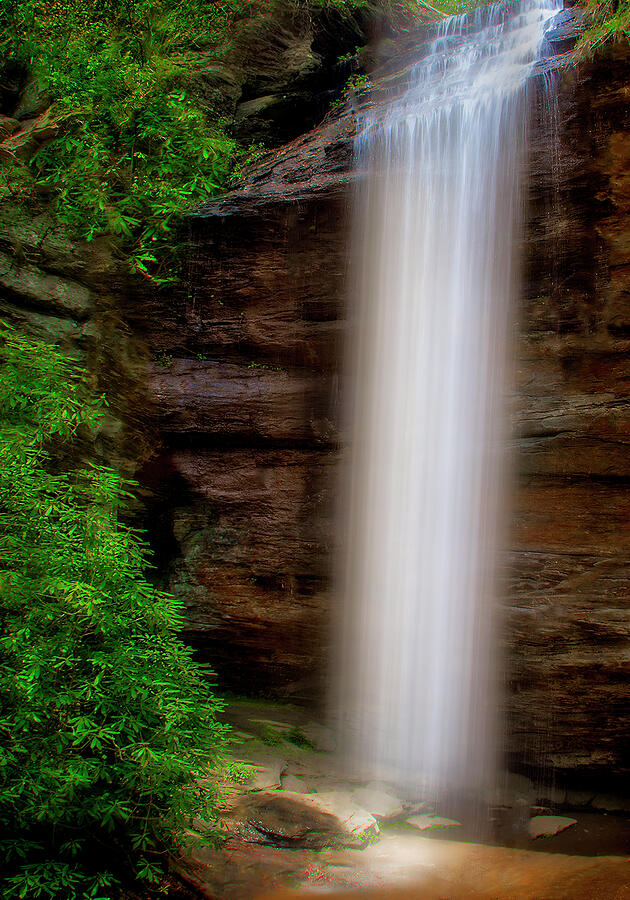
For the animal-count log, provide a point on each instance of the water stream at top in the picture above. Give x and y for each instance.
(437, 236)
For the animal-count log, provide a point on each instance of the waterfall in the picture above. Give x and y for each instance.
(437, 234)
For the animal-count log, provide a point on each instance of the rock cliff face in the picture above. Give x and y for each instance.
(78, 295)
(568, 605)
(251, 427)
(250, 418)
(225, 400)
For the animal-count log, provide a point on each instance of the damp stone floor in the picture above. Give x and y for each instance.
(294, 822)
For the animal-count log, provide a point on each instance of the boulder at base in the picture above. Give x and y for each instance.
(547, 826)
(288, 819)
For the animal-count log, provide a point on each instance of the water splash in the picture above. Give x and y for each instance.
(437, 226)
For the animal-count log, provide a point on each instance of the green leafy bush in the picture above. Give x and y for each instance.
(610, 22)
(108, 729)
(135, 148)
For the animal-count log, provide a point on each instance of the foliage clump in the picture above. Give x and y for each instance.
(609, 23)
(134, 149)
(108, 729)
(136, 146)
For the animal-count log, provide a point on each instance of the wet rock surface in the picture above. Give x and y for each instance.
(225, 398)
(321, 836)
(286, 819)
(429, 822)
(547, 826)
(567, 26)
(250, 502)
(292, 819)
(381, 803)
(468, 872)
(77, 294)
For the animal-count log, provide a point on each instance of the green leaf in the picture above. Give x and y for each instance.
(104, 717)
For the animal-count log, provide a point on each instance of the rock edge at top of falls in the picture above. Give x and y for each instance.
(321, 161)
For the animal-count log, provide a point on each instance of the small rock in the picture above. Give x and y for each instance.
(320, 737)
(420, 806)
(547, 826)
(271, 732)
(240, 736)
(272, 723)
(42, 128)
(354, 820)
(541, 811)
(19, 146)
(427, 822)
(8, 126)
(381, 804)
(42, 289)
(579, 799)
(35, 100)
(257, 106)
(298, 768)
(297, 785)
(287, 820)
(610, 803)
(265, 775)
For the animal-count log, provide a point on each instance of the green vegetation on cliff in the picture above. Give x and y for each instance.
(107, 727)
(131, 148)
(128, 143)
(610, 22)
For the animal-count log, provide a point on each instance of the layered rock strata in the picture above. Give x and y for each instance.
(252, 426)
(568, 610)
(225, 400)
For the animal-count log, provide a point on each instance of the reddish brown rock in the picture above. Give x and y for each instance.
(256, 401)
(226, 400)
(252, 498)
(253, 531)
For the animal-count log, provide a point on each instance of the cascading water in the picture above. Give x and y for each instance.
(437, 226)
